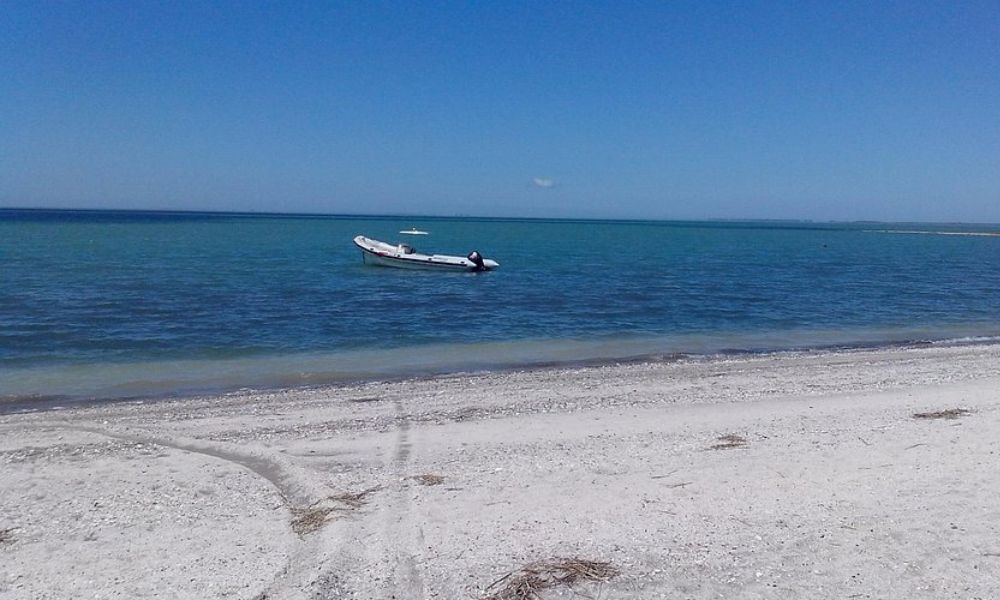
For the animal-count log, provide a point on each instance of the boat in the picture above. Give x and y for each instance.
(413, 231)
(404, 256)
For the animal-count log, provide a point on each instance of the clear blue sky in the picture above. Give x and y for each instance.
(822, 110)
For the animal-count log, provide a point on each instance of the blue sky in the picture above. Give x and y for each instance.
(866, 110)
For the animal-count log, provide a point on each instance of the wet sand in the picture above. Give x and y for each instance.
(790, 475)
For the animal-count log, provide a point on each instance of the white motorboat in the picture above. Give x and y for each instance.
(413, 231)
(404, 256)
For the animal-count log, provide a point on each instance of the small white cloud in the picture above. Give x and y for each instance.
(543, 182)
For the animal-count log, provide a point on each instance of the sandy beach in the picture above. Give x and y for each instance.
(796, 475)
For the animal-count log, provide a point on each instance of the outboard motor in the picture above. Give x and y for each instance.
(477, 259)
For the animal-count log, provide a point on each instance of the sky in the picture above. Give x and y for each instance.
(664, 110)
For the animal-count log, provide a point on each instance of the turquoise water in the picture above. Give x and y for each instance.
(118, 304)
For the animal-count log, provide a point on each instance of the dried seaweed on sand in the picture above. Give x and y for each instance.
(527, 582)
(308, 520)
(352, 500)
(951, 413)
(428, 479)
(364, 400)
(6, 536)
(729, 441)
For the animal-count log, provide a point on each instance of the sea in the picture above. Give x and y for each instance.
(111, 305)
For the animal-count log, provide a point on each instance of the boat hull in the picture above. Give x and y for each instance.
(374, 252)
(370, 258)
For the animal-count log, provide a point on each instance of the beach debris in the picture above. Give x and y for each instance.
(951, 413)
(364, 400)
(353, 500)
(730, 441)
(428, 479)
(7, 536)
(308, 520)
(314, 517)
(527, 582)
(679, 484)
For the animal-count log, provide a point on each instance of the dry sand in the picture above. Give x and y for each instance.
(784, 476)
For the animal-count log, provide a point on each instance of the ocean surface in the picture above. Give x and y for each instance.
(103, 305)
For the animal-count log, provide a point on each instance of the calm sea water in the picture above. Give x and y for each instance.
(118, 304)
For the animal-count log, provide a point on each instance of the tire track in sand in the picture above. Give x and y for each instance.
(303, 566)
(399, 525)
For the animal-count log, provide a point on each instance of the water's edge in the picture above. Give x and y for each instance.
(52, 402)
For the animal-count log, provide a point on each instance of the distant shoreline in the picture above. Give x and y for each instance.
(395, 216)
(907, 232)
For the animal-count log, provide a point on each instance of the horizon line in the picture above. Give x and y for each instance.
(263, 214)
